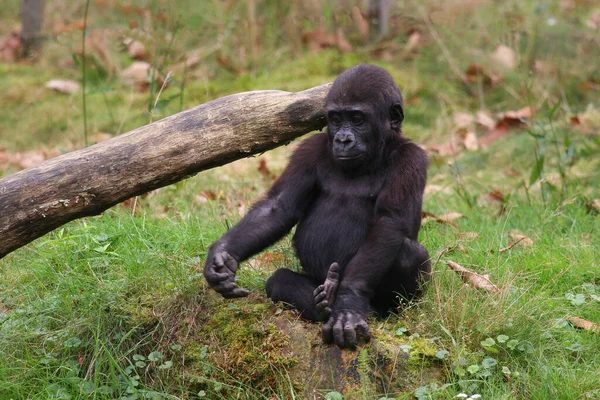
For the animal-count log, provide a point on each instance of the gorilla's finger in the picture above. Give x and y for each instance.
(327, 331)
(237, 292)
(320, 297)
(322, 305)
(338, 330)
(213, 277)
(362, 330)
(225, 287)
(218, 260)
(350, 332)
(230, 262)
(334, 270)
(318, 290)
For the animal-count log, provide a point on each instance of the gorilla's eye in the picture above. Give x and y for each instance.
(357, 119)
(335, 119)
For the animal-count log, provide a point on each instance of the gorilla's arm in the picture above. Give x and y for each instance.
(266, 222)
(391, 242)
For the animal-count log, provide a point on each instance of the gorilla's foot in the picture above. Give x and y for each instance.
(324, 295)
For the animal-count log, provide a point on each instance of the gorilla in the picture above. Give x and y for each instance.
(354, 194)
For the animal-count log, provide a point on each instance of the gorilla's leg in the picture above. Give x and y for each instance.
(324, 295)
(295, 289)
(406, 278)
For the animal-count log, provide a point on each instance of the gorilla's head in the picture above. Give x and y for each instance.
(364, 109)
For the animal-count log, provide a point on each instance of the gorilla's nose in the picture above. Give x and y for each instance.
(343, 141)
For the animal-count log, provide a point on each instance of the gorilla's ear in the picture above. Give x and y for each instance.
(396, 116)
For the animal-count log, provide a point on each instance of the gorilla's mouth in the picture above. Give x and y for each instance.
(348, 157)
(344, 158)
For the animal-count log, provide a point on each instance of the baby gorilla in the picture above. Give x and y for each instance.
(354, 193)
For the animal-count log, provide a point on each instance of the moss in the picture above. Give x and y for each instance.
(242, 340)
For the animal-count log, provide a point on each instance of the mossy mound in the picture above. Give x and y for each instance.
(254, 345)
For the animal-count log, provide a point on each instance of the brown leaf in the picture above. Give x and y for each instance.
(10, 47)
(96, 43)
(263, 169)
(593, 206)
(476, 73)
(493, 196)
(342, 43)
(584, 324)
(476, 280)
(138, 75)
(463, 120)
(432, 189)
(318, 39)
(518, 115)
(446, 219)
(485, 119)
(136, 49)
(471, 142)
(544, 67)
(64, 86)
(452, 148)
(506, 121)
(515, 236)
(468, 236)
(594, 20)
(209, 195)
(587, 122)
(413, 41)
(360, 21)
(226, 63)
(505, 56)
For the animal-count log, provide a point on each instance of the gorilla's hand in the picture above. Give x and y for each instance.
(219, 272)
(346, 328)
(324, 295)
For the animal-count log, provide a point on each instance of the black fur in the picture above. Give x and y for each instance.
(355, 193)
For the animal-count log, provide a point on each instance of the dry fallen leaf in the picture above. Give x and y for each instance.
(414, 41)
(446, 219)
(136, 49)
(588, 121)
(584, 324)
(594, 20)
(468, 236)
(544, 67)
(478, 281)
(506, 121)
(138, 75)
(593, 206)
(10, 47)
(515, 237)
(360, 21)
(342, 43)
(64, 86)
(463, 120)
(432, 189)
(505, 56)
(476, 73)
(493, 198)
(471, 142)
(485, 119)
(263, 169)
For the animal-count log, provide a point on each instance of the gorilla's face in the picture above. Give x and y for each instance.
(352, 135)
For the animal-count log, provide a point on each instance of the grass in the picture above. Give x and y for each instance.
(115, 306)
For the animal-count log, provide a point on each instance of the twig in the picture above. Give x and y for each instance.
(511, 246)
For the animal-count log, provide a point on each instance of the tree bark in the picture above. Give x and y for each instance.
(86, 182)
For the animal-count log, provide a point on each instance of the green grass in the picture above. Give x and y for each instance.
(115, 306)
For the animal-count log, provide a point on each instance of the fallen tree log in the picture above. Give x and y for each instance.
(86, 182)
